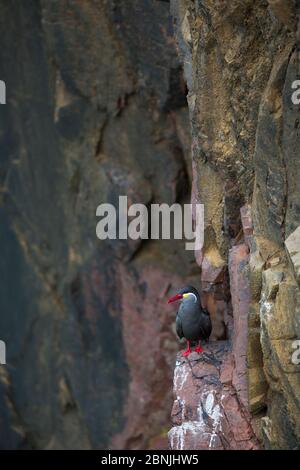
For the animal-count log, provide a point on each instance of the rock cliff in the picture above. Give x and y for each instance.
(96, 108)
(240, 60)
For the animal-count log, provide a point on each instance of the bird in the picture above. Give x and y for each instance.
(192, 321)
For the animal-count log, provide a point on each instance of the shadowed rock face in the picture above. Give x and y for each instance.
(95, 109)
(240, 62)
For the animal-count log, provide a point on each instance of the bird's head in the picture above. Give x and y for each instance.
(186, 293)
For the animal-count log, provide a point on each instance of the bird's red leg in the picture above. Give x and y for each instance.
(199, 348)
(188, 351)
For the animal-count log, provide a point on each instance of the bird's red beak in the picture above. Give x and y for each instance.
(176, 297)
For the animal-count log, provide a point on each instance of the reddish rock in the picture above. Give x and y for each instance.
(227, 370)
(207, 413)
(240, 297)
(210, 273)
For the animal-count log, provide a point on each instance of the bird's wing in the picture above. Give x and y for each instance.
(179, 326)
(205, 322)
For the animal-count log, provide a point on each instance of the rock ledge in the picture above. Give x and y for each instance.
(207, 412)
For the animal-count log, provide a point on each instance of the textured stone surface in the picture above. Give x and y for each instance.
(240, 294)
(96, 108)
(240, 62)
(207, 413)
(292, 244)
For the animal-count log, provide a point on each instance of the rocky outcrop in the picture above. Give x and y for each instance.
(213, 404)
(240, 62)
(207, 413)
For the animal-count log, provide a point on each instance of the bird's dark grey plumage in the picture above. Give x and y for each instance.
(192, 321)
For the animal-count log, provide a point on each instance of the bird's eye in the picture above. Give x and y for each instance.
(189, 294)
